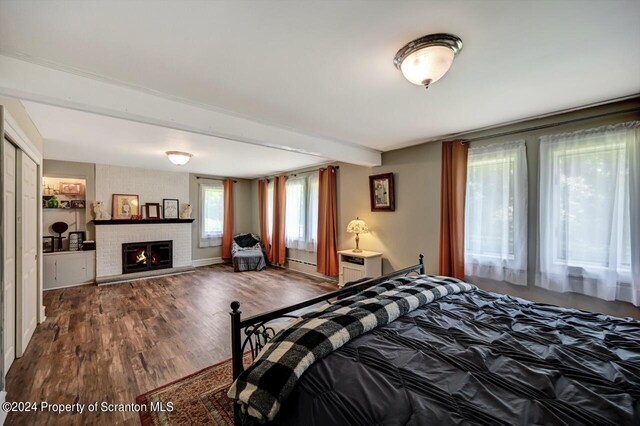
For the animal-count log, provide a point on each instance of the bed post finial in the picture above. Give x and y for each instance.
(421, 258)
(235, 305)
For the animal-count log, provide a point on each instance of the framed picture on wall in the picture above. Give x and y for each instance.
(125, 206)
(70, 188)
(170, 207)
(152, 210)
(78, 204)
(382, 193)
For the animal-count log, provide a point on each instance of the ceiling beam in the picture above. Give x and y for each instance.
(80, 91)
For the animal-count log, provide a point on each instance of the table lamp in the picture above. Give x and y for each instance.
(357, 226)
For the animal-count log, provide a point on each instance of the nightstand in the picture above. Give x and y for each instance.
(354, 266)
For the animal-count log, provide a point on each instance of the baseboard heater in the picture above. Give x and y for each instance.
(302, 262)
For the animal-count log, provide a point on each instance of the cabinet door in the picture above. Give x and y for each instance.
(49, 272)
(71, 269)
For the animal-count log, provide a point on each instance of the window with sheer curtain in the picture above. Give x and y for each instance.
(589, 212)
(496, 213)
(211, 213)
(301, 221)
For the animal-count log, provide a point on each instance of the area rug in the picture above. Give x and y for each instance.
(200, 398)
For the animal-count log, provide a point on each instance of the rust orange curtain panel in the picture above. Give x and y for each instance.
(453, 190)
(227, 230)
(263, 201)
(278, 245)
(328, 222)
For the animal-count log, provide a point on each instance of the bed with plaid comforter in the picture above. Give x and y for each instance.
(265, 385)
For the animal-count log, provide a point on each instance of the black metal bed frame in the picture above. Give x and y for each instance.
(257, 333)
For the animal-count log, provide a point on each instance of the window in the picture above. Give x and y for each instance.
(587, 199)
(496, 213)
(211, 214)
(301, 221)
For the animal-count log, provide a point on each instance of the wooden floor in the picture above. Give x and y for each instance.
(112, 343)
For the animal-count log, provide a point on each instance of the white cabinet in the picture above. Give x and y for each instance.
(68, 268)
(354, 266)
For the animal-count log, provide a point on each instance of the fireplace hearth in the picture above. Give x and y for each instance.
(146, 256)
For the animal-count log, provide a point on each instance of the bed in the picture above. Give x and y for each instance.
(465, 356)
(247, 253)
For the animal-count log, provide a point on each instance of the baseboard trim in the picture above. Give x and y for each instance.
(3, 398)
(208, 261)
(116, 279)
(317, 275)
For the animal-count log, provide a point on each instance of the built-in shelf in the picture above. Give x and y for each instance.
(139, 222)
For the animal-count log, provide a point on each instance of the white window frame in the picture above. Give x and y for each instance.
(211, 238)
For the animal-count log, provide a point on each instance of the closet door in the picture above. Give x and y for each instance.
(27, 288)
(9, 240)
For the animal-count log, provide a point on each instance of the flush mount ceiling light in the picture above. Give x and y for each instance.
(427, 59)
(179, 158)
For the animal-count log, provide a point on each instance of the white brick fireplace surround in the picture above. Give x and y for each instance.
(109, 240)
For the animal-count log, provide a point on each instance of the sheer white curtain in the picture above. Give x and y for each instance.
(589, 218)
(313, 186)
(270, 207)
(296, 211)
(211, 213)
(496, 213)
(302, 212)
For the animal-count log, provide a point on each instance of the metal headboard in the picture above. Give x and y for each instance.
(257, 332)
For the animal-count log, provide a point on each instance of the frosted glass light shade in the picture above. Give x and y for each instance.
(427, 59)
(179, 158)
(357, 226)
(428, 65)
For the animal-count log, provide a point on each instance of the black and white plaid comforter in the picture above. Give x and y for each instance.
(261, 389)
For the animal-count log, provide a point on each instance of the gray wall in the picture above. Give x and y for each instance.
(415, 225)
(242, 214)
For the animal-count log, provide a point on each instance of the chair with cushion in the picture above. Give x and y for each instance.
(247, 253)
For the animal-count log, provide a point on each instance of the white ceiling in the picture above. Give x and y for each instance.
(81, 136)
(325, 68)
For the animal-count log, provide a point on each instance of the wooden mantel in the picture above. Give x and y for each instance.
(139, 222)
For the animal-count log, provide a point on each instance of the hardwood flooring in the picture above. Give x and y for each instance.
(115, 342)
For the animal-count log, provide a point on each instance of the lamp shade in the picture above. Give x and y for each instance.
(357, 226)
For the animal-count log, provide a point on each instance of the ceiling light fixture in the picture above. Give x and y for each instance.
(179, 158)
(427, 59)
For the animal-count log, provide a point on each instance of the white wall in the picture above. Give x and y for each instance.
(150, 185)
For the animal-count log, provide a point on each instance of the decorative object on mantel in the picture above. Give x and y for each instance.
(78, 204)
(427, 59)
(100, 212)
(152, 210)
(47, 245)
(125, 206)
(357, 226)
(382, 193)
(65, 204)
(179, 158)
(88, 245)
(170, 208)
(186, 212)
(59, 228)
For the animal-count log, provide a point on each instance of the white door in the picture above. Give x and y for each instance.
(27, 288)
(9, 232)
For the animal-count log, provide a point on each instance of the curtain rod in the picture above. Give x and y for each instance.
(220, 179)
(268, 178)
(550, 125)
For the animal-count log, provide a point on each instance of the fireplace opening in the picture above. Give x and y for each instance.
(146, 256)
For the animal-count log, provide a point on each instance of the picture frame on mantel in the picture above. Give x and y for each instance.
(382, 193)
(152, 211)
(170, 208)
(125, 206)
